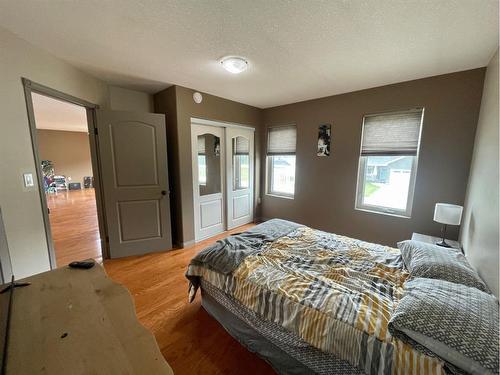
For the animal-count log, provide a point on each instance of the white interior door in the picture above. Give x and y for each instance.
(240, 175)
(208, 148)
(133, 160)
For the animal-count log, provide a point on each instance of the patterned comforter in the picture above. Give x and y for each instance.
(334, 292)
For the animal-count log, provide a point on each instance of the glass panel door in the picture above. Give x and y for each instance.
(209, 164)
(208, 180)
(240, 164)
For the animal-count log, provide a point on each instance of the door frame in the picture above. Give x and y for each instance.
(5, 262)
(30, 87)
(223, 125)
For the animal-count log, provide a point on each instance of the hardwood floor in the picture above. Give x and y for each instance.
(73, 221)
(191, 341)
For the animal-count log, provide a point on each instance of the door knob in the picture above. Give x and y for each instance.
(163, 192)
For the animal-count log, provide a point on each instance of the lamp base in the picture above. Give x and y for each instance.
(443, 243)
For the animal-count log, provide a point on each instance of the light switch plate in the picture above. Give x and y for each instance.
(28, 180)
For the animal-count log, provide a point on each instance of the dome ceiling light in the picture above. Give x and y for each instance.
(234, 64)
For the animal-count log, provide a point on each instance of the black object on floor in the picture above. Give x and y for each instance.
(83, 264)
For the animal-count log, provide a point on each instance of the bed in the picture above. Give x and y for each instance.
(309, 301)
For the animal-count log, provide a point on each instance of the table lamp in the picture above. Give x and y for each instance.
(447, 214)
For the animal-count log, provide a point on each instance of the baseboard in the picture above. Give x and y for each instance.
(262, 219)
(188, 243)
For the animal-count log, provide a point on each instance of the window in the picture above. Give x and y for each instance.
(202, 161)
(202, 169)
(241, 163)
(281, 143)
(388, 162)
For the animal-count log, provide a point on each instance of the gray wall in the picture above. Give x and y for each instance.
(121, 99)
(165, 102)
(21, 207)
(479, 235)
(178, 105)
(326, 186)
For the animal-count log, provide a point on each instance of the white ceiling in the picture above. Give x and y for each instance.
(57, 115)
(297, 50)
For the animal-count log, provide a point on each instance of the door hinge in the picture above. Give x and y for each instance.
(96, 131)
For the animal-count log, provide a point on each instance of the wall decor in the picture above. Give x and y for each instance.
(324, 139)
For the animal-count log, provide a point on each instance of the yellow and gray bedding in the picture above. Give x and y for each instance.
(336, 293)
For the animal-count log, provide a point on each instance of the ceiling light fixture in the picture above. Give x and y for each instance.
(234, 64)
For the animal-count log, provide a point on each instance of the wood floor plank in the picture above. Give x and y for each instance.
(74, 226)
(191, 341)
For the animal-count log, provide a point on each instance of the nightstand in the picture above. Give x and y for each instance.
(433, 240)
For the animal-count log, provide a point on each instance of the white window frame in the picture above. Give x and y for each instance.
(360, 185)
(269, 179)
(269, 169)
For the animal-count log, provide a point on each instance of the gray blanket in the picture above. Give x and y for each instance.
(227, 254)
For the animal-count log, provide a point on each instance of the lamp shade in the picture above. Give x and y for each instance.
(449, 214)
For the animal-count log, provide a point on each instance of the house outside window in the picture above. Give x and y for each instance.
(281, 143)
(388, 162)
(202, 169)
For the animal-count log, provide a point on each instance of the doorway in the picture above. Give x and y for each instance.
(223, 176)
(64, 144)
(65, 165)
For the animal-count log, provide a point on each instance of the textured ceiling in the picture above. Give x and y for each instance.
(297, 50)
(57, 115)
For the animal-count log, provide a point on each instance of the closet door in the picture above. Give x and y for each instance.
(208, 149)
(240, 176)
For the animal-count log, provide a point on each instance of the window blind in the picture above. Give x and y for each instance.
(241, 146)
(392, 133)
(201, 145)
(282, 140)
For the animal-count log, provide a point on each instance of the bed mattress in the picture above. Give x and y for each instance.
(284, 351)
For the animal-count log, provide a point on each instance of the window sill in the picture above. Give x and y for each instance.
(382, 213)
(275, 195)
